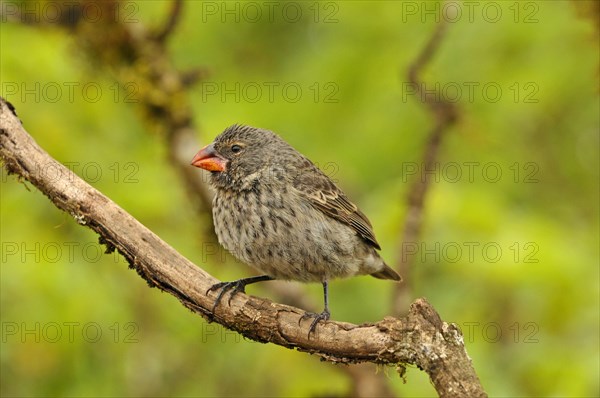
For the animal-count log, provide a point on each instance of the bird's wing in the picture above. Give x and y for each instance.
(325, 196)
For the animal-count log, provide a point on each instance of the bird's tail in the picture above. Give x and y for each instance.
(387, 273)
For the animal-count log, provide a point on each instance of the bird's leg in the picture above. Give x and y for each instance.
(235, 287)
(323, 316)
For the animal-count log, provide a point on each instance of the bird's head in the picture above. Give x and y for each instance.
(239, 156)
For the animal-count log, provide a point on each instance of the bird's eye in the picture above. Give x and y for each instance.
(236, 148)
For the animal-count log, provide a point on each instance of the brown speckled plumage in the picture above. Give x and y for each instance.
(276, 211)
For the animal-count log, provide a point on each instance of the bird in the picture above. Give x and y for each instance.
(276, 211)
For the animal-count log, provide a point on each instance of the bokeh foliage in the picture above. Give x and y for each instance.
(529, 314)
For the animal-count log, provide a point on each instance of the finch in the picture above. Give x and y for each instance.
(277, 212)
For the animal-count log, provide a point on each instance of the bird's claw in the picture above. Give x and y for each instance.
(235, 287)
(323, 316)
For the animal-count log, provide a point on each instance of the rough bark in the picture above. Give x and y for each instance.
(420, 338)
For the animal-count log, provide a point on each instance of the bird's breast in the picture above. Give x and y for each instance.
(285, 237)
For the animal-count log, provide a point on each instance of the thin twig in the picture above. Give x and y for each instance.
(171, 23)
(444, 114)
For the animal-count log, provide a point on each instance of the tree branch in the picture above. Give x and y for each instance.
(174, 16)
(444, 114)
(420, 338)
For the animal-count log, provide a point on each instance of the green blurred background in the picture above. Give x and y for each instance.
(76, 322)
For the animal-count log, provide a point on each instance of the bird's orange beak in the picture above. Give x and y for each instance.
(209, 159)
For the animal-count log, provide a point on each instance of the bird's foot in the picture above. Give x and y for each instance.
(323, 316)
(234, 286)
